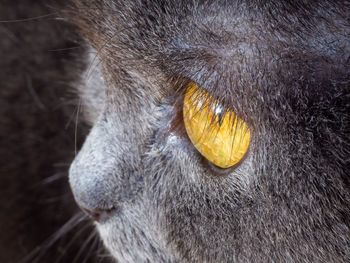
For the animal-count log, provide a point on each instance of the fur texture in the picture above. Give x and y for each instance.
(282, 66)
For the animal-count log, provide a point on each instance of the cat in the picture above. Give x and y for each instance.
(282, 67)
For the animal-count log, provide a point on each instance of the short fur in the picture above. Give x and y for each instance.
(282, 66)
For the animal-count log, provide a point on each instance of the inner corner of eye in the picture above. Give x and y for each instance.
(217, 133)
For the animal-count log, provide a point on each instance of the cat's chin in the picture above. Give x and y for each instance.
(130, 236)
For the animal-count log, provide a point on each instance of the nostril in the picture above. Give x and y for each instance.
(97, 215)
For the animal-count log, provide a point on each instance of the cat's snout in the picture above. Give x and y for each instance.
(99, 181)
(93, 192)
(93, 180)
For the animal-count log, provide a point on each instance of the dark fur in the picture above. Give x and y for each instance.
(282, 66)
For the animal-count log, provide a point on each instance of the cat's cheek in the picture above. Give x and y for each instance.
(184, 193)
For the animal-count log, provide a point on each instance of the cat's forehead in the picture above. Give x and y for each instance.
(220, 34)
(228, 47)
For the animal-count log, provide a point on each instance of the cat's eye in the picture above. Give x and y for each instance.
(218, 134)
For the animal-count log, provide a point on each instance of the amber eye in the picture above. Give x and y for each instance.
(218, 134)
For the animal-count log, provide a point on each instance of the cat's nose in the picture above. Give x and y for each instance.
(94, 191)
(100, 177)
(93, 178)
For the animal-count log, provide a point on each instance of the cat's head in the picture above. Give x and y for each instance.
(281, 67)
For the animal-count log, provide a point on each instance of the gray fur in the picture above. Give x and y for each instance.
(282, 66)
(272, 63)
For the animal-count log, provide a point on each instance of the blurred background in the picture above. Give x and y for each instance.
(40, 132)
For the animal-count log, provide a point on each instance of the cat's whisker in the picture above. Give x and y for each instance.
(41, 249)
(53, 178)
(55, 199)
(50, 15)
(74, 238)
(76, 127)
(96, 246)
(72, 117)
(101, 253)
(83, 247)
